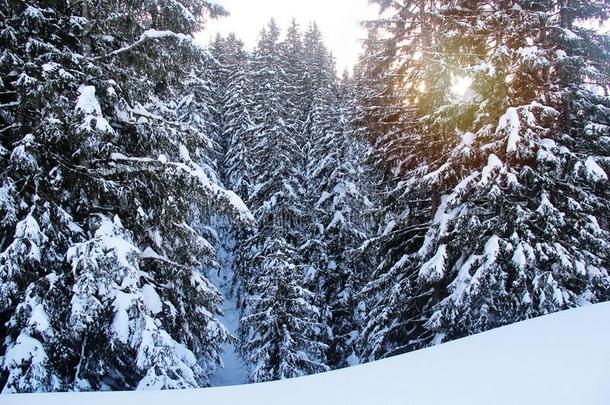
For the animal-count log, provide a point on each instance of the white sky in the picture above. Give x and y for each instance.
(337, 19)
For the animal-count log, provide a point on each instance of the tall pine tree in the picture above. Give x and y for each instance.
(282, 336)
(101, 174)
(500, 207)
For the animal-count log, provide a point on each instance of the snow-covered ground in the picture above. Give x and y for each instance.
(234, 371)
(558, 359)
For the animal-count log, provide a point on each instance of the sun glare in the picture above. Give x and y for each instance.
(461, 85)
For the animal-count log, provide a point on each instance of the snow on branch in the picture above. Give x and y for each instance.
(194, 170)
(147, 36)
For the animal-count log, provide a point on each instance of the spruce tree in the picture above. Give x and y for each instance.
(281, 332)
(336, 199)
(500, 209)
(102, 170)
(337, 219)
(236, 123)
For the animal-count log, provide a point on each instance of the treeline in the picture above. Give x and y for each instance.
(295, 157)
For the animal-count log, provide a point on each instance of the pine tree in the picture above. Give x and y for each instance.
(336, 199)
(337, 222)
(296, 81)
(281, 333)
(237, 126)
(99, 265)
(506, 187)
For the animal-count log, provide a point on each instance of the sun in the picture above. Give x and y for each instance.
(461, 85)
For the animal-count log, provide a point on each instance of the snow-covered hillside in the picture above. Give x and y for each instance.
(558, 359)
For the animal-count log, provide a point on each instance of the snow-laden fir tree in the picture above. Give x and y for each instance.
(380, 110)
(226, 73)
(99, 265)
(297, 82)
(236, 108)
(282, 336)
(336, 198)
(502, 204)
(337, 226)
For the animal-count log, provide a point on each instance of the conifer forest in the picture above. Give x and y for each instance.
(170, 207)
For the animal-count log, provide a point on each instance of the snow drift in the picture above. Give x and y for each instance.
(558, 359)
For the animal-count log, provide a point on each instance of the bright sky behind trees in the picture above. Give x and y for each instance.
(338, 20)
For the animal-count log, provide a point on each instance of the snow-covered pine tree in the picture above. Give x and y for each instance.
(336, 223)
(380, 102)
(281, 333)
(229, 62)
(297, 81)
(507, 194)
(385, 102)
(99, 266)
(236, 124)
(336, 201)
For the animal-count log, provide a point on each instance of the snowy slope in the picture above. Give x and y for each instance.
(558, 359)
